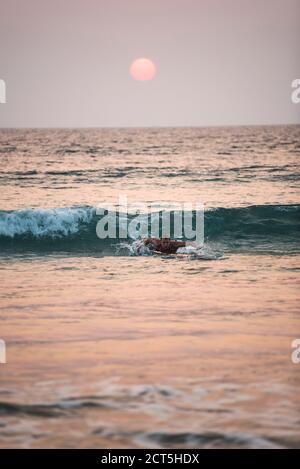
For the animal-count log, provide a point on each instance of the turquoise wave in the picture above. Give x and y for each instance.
(272, 227)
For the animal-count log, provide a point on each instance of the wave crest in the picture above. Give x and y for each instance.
(74, 228)
(43, 223)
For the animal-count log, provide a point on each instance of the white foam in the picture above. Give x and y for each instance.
(59, 222)
(205, 252)
(137, 248)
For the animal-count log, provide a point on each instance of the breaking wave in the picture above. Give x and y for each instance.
(263, 227)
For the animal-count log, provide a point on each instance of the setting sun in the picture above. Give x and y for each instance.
(142, 69)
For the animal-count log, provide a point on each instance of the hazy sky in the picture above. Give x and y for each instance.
(219, 62)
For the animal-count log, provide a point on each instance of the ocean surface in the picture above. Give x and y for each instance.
(109, 346)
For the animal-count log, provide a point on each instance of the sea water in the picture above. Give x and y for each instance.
(108, 345)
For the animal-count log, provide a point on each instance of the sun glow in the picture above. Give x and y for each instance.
(142, 69)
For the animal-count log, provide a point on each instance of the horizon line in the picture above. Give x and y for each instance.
(108, 127)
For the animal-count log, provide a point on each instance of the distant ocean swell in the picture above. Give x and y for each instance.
(269, 227)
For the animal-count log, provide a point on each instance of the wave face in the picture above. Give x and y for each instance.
(265, 227)
(262, 227)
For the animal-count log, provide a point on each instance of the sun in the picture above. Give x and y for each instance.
(142, 69)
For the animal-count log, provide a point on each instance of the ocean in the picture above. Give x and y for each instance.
(111, 347)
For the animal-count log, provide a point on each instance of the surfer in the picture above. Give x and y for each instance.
(165, 245)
